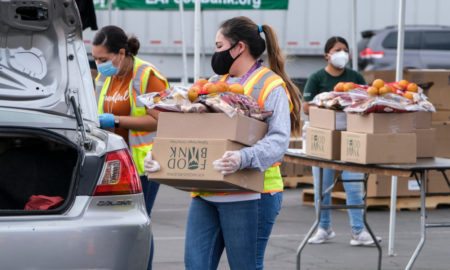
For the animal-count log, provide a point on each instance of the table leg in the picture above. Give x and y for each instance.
(392, 218)
(318, 207)
(377, 244)
(422, 185)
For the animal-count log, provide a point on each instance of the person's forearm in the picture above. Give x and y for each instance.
(305, 106)
(143, 123)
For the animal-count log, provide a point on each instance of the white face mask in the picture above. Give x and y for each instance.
(339, 59)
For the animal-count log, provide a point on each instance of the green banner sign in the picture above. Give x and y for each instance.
(189, 4)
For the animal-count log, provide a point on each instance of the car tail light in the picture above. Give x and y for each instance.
(368, 53)
(120, 177)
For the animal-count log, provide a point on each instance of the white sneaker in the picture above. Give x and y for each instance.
(321, 236)
(363, 239)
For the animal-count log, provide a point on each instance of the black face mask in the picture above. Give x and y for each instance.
(222, 61)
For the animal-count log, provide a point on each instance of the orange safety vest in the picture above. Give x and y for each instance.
(140, 141)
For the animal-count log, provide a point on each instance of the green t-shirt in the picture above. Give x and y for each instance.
(321, 81)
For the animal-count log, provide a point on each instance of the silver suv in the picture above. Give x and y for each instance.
(70, 195)
(426, 47)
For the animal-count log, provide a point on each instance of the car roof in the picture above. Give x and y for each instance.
(370, 33)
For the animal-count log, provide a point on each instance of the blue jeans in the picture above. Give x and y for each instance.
(150, 190)
(353, 191)
(212, 226)
(268, 209)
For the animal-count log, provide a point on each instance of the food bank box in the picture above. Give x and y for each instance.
(442, 139)
(323, 143)
(186, 164)
(426, 146)
(380, 186)
(327, 119)
(422, 120)
(188, 143)
(381, 122)
(240, 128)
(383, 148)
(436, 183)
(439, 92)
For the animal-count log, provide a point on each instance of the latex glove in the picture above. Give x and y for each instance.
(229, 163)
(150, 165)
(106, 120)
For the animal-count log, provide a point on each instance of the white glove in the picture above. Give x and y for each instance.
(229, 163)
(150, 165)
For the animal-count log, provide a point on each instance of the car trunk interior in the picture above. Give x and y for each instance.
(36, 163)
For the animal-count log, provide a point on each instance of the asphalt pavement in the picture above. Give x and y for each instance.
(169, 223)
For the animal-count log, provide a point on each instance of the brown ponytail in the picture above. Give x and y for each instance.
(245, 30)
(276, 64)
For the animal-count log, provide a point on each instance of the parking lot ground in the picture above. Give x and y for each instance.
(169, 223)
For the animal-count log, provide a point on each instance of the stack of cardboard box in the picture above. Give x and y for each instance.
(380, 185)
(323, 136)
(187, 144)
(378, 138)
(436, 85)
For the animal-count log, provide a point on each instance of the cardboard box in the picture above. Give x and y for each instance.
(442, 139)
(385, 75)
(380, 186)
(422, 120)
(186, 164)
(440, 116)
(241, 129)
(292, 169)
(383, 148)
(426, 139)
(381, 122)
(439, 93)
(327, 119)
(436, 183)
(323, 143)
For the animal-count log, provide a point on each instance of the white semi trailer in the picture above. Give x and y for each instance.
(302, 29)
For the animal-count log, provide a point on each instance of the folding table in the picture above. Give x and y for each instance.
(418, 169)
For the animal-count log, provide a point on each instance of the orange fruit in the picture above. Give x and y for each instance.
(408, 95)
(412, 87)
(200, 83)
(378, 83)
(210, 88)
(348, 86)
(403, 83)
(339, 87)
(222, 86)
(193, 93)
(373, 91)
(391, 89)
(384, 90)
(237, 88)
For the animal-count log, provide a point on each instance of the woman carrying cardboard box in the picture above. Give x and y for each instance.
(324, 80)
(242, 223)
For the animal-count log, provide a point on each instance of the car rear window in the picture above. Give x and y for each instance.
(436, 40)
(412, 40)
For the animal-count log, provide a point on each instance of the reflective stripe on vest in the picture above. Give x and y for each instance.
(267, 80)
(140, 142)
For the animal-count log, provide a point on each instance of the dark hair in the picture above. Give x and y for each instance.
(332, 41)
(245, 30)
(114, 39)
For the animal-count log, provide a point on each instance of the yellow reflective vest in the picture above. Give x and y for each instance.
(140, 142)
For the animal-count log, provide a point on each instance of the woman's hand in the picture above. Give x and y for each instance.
(150, 165)
(106, 120)
(229, 163)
